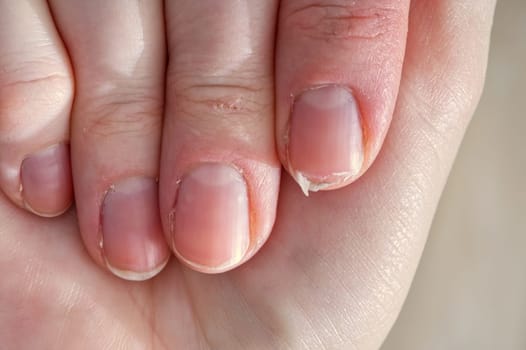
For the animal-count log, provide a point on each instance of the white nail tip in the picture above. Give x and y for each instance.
(134, 275)
(45, 215)
(229, 265)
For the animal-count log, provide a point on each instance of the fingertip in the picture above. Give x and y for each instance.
(46, 184)
(132, 241)
(325, 146)
(219, 213)
(210, 221)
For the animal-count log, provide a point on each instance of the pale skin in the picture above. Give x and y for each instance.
(337, 265)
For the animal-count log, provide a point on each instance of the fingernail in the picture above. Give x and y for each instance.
(325, 145)
(132, 240)
(210, 221)
(46, 181)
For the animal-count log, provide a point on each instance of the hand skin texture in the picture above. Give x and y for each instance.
(336, 268)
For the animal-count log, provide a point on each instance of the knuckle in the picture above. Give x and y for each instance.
(129, 113)
(30, 76)
(345, 20)
(230, 101)
(25, 92)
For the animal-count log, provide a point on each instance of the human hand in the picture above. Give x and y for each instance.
(336, 269)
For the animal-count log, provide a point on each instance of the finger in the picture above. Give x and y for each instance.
(36, 92)
(118, 54)
(337, 76)
(219, 170)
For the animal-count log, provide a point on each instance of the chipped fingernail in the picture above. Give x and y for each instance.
(325, 142)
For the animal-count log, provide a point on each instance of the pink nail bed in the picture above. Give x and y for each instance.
(211, 229)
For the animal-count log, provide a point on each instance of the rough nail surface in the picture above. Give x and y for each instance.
(325, 145)
(46, 181)
(210, 222)
(132, 239)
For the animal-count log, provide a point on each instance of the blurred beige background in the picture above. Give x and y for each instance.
(470, 290)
